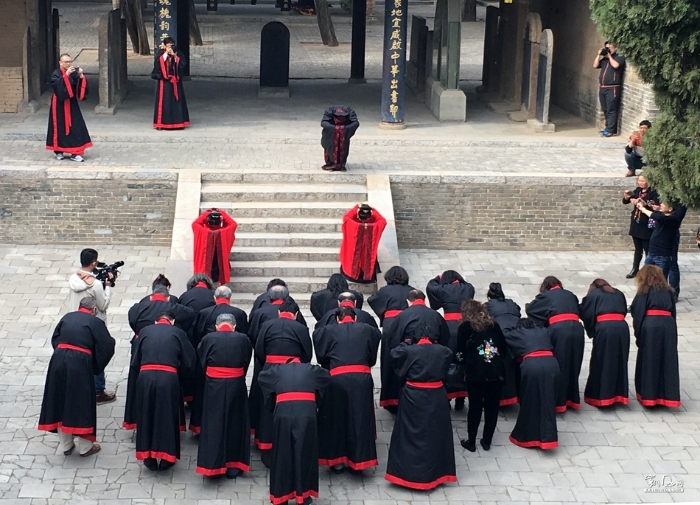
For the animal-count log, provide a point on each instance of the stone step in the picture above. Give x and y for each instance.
(289, 224)
(255, 284)
(307, 240)
(262, 253)
(280, 209)
(287, 178)
(284, 269)
(218, 191)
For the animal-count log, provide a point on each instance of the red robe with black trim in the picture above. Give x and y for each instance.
(67, 132)
(171, 107)
(213, 245)
(358, 250)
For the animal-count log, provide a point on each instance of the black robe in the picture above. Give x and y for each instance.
(265, 313)
(279, 339)
(346, 421)
(260, 301)
(67, 132)
(536, 425)
(387, 303)
(322, 301)
(421, 452)
(361, 315)
(506, 313)
(449, 298)
(335, 138)
(603, 316)
(197, 298)
(162, 357)
(293, 390)
(171, 106)
(568, 340)
(224, 440)
(82, 348)
(656, 375)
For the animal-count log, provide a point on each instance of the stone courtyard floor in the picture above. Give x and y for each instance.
(605, 456)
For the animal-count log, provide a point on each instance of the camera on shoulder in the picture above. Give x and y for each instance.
(103, 270)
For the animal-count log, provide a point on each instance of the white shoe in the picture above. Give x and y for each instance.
(77, 158)
(60, 156)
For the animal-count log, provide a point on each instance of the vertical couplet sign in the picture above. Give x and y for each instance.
(164, 22)
(394, 70)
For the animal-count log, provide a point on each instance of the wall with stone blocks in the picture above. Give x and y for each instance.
(637, 102)
(87, 209)
(11, 91)
(517, 213)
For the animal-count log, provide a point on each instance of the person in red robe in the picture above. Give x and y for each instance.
(214, 234)
(362, 229)
(67, 134)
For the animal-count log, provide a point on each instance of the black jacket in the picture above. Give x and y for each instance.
(481, 352)
(639, 222)
(610, 76)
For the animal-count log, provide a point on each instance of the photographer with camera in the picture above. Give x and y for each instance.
(640, 228)
(611, 66)
(85, 283)
(171, 107)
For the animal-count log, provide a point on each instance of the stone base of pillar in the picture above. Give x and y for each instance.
(391, 126)
(270, 92)
(538, 126)
(357, 80)
(446, 104)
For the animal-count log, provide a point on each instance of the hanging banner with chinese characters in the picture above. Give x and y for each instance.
(394, 70)
(165, 22)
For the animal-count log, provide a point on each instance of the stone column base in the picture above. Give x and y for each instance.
(538, 126)
(270, 92)
(446, 104)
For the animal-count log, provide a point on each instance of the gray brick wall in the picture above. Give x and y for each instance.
(516, 216)
(70, 208)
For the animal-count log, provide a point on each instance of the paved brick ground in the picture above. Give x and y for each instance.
(604, 457)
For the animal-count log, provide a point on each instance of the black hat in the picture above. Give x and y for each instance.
(339, 111)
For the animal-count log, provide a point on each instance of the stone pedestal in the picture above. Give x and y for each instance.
(538, 126)
(446, 104)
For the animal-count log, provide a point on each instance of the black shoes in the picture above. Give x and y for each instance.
(632, 274)
(469, 445)
(232, 473)
(459, 404)
(151, 464)
(485, 445)
(164, 465)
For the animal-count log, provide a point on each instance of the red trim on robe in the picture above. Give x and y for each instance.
(128, 426)
(388, 403)
(287, 315)
(607, 401)
(201, 285)
(195, 429)
(293, 495)
(453, 316)
(346, 320)
(141, 455)
(157, 297)
(508, 401)
(423, 486)
(296, 396)
(263, 446)
(388, 314)
(351, 242)
(339, 370)
(86, 433)
(222, 301)
(457, 394)
(418, 301)
(425, 385)
(658, 401)
(560, 409)
(220, 471)
(344, 459)
(534, 443)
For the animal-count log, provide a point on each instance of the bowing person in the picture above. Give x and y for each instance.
(656, 375)
(326, 300)
(346, 299)
(603, 312)
(557, 309)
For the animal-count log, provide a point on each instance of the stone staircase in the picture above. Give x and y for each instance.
(289, 226)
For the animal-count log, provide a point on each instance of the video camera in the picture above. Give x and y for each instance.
(103, 270)
(604, 51)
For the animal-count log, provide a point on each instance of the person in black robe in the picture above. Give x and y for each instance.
(171, 106)
(274, 297)
(279, 340)
(326, 300)
(263, 299)
(603, 312)
(348, 349)
(206, 319)
(656, 375)
(447, 292)
(67, 133)
(224, 441)
(339, 123)
(557, 309)
(162, 358)
(82, 348)
(482, 348)
(142, 315)
(346, 299)
(291, 392)
(421, 453)
(536, 425)
(640, 231)
(199, 294)
(506, 313)
(162, 280)
(387, 303)
(419, 315)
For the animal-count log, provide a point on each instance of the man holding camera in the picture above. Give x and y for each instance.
(171, 107)
(83, 284)
(611, 66)
(67, 133)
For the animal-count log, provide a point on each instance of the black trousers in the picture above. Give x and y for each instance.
(641, 249)
(609, 103)
(483, 396)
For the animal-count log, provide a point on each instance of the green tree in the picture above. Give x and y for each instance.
(661, 38)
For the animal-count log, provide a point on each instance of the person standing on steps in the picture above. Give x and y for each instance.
(640, 227)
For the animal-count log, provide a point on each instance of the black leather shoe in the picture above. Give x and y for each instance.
(632, 274)
(485, 445)
(459, 404)
(151, 464)
(232, 473)
(469, 445)
(164, 465)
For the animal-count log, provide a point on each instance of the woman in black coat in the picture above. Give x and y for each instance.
(481, 347)
(639, 222)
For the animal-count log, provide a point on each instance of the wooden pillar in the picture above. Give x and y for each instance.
(183, 32)
(359, 32)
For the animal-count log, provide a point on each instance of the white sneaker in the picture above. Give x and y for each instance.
(60, 156)
(77, 158)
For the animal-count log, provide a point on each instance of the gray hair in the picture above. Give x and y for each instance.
(223, 292)
(278, 293)
(88, 303)
(161, 290)
(199, 278)
(225, 318)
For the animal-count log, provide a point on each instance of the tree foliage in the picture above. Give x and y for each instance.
(661, 38)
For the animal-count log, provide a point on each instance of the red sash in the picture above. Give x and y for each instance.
(74, 348)
(158, 368)
(656, 312)
(563, 317)
(222, 372)
(609, 317)
(391, 313)
(453, 316)
(538, 354)
(425, 385)
(350, 369)
(296, 397)
(278, 359)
